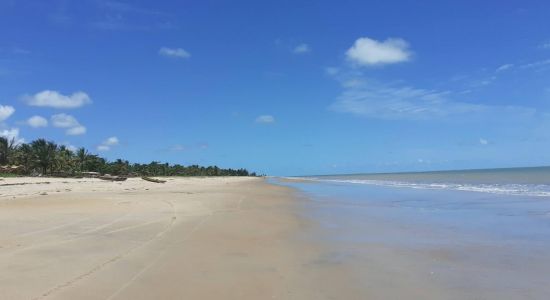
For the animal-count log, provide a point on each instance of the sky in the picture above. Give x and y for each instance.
(282, 87)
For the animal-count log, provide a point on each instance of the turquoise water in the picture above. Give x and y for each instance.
(489, 229)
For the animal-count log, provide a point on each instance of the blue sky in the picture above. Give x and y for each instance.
(282, 87)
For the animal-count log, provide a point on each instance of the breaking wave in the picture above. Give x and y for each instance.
(538, 190)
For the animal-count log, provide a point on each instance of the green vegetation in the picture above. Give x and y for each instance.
(3, 175)
(48, 158)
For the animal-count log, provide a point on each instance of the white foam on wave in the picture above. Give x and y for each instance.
(503, 189)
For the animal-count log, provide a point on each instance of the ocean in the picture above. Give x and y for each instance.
(474, 234)
(534, 181)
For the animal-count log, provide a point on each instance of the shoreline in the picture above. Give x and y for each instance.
(201, 238)
(433, 244)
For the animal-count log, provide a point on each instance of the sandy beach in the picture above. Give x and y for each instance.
(240, 238)
(193, 238)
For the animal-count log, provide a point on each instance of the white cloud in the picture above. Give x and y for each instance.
(69, 122)
(265, 119)
(37, 121)
(181, 147)
(504, 67)
(371, 99)
(174, 52)
(112, 141)
(483, 141)
(64, 121)
(55, 99)
(103, 148)
(302, 49)
(6, 112)
(78, 130)
(12, 134)
(369, 52)
(108, 143)
(545, 45)
(536, 64)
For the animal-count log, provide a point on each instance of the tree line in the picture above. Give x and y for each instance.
(42, 157)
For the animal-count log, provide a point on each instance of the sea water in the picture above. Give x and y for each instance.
(480, 233)
(533, 181)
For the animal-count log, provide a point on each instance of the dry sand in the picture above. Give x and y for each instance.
(190, 238)
(196, 238)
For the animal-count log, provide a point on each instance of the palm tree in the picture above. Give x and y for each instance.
(82, 157)
(48, 157)
(120, 167)
(7, 148)
(44, 153)
(3, 150)
(64, 159)
(24, 157)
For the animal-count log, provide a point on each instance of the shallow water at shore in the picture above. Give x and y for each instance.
(464, 244)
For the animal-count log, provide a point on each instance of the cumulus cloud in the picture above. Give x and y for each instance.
(483, 141)
(78, 130)
(12, 134)
(55, 99)
(37, 121)
(301, 49)
(64, 121)
(6, 112)
(107, 144)
(112, 141)
(174, 52)
(370, 52)
(265, 119)
(70, 123)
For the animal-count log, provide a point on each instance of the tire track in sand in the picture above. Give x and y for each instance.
(155, 260)
(114, 258)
